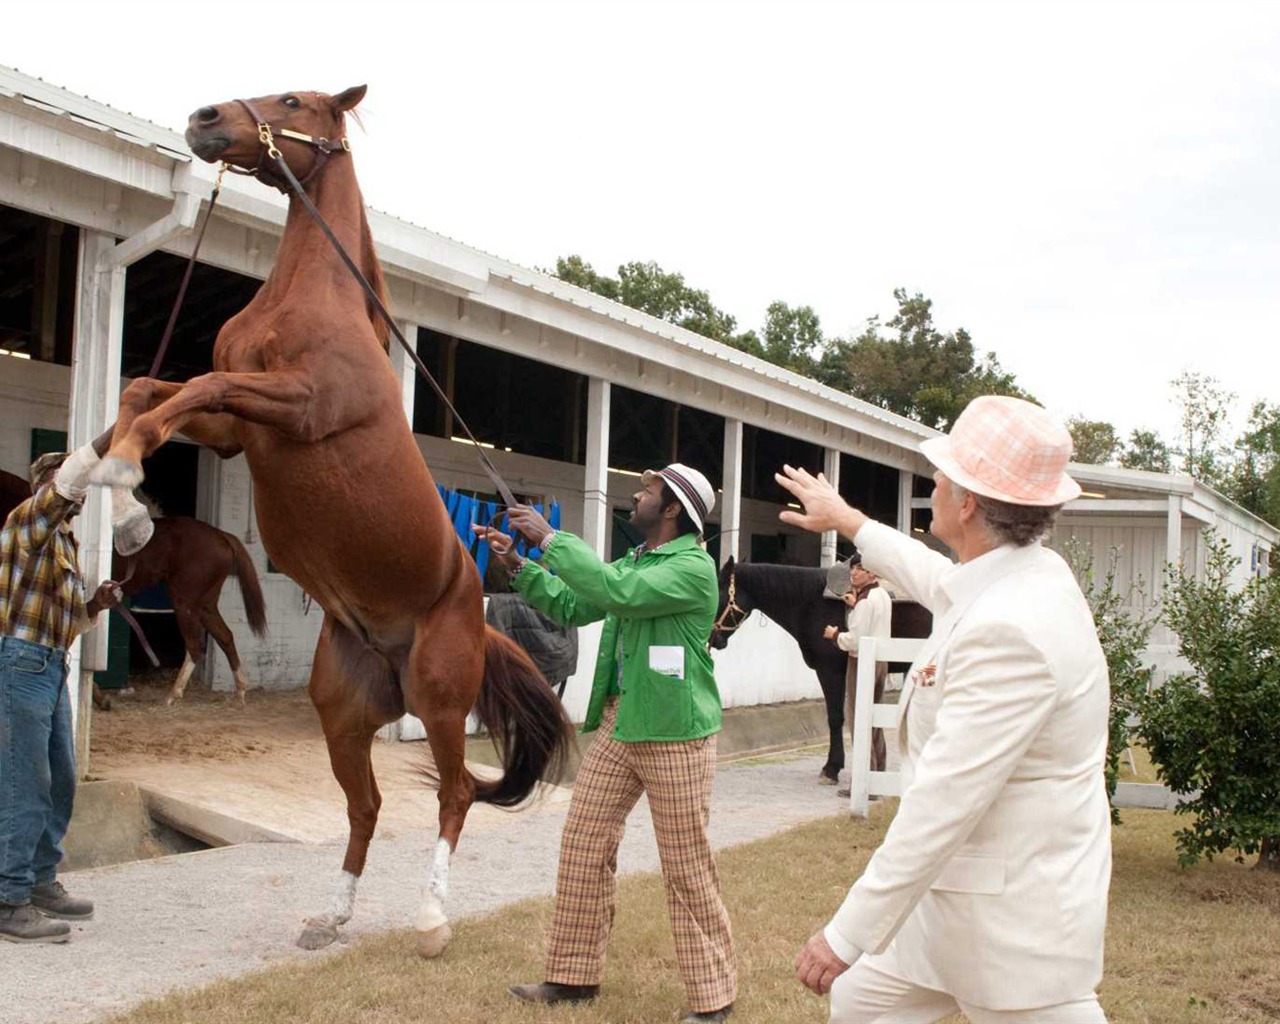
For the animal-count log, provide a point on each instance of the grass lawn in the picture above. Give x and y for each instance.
(1196, 946)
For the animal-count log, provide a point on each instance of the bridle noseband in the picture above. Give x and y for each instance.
(264, 170)
(731, 606)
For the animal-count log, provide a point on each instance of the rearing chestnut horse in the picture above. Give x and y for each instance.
(345, 504)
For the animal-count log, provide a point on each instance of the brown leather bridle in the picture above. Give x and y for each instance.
(265, 170)
(731, 606)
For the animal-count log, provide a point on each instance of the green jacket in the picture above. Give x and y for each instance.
(664, 604)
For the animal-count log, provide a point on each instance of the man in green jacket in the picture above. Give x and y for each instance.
(654, 697)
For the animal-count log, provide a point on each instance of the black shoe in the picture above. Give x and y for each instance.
(550, 992)
(53, 900)
(23, 923)
(707, 1016)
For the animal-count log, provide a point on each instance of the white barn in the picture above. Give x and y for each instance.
(575, 393)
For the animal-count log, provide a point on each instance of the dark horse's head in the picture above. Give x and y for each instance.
(735, 605)
(305, 126)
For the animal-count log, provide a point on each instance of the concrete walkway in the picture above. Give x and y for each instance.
(184, 921)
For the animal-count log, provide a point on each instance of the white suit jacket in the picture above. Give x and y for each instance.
(992, 880)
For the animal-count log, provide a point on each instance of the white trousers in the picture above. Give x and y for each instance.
(872, 992)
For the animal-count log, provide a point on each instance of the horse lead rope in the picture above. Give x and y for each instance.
(267, 138)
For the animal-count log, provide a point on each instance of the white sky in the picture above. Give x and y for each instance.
(1089, 188)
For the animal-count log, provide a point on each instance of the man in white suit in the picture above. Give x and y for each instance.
(989, 893)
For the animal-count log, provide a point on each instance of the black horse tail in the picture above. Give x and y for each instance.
(250, 588)
(526, 720)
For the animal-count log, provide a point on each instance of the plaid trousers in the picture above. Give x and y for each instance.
(677, 779)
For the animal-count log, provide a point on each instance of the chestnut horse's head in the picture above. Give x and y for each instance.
(229, 131)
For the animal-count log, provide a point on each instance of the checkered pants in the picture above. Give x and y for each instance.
(677, 779)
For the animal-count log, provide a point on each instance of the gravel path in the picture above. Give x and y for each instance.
(184, 921)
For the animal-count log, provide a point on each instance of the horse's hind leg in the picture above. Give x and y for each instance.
(355, 696)
(192, 630)
(221, 633)
(440, 682)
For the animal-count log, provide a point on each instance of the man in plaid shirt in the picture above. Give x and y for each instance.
(42, 610)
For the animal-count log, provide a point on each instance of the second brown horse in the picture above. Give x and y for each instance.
(345, 504)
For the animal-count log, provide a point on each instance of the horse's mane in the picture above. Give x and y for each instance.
(369, 264)
(783, 582)
(372, 269)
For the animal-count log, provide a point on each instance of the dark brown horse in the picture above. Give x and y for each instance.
(792, 597)
(345, 505)
(194, 559)
(14, 490)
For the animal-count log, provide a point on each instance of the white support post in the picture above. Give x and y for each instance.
(731, 495)
(404, 367)
(906, 487)
(1173, 532)
(595, 487)
(95, 403)
(831, 468)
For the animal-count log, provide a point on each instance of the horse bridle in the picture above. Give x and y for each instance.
(731, 606)
(267, 134)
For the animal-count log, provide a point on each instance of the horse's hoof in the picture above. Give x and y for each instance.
(317, 935)
(826, 780)
(115, 471)
(431, 944)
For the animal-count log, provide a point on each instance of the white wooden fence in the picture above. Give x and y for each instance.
(868, 715)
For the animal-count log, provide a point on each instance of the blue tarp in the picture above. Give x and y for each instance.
(466, 511)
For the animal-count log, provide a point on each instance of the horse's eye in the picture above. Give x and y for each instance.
(292, 102)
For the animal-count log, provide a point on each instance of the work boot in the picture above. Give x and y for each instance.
(23, 923)
(550, 992)
(53, 900)
(707, 1016)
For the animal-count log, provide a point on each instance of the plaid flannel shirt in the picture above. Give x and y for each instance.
(42, 596)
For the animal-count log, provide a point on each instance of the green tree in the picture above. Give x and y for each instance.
(1254, 480)
(1204, 407)
(1124, 639)
(661, 293)
(1214, 732)
(1096, 441)
(916, 370)
(1146, 450)
(792, 337)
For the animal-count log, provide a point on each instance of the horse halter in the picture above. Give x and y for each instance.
(263, 170)
(732, 606)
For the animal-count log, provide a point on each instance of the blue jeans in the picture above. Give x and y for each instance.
(37, 765)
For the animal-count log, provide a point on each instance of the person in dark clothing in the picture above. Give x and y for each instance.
(553, 647)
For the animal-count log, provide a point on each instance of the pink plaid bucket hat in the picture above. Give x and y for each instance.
(1007, 449)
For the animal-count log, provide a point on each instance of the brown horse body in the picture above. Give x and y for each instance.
(346, 506)
(194, 559)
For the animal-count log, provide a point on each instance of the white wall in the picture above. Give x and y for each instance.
(281, 659)
(32, 394)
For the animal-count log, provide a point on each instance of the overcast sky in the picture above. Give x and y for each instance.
(1091, 189)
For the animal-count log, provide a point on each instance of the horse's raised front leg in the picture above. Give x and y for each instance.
(355, 695)
(212, 430)
(204, 409)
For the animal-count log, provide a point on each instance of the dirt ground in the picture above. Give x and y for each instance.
(203, 726)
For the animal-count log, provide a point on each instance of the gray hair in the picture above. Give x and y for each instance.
(1019, 525)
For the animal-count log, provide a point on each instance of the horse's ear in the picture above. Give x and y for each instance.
(348, 98)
